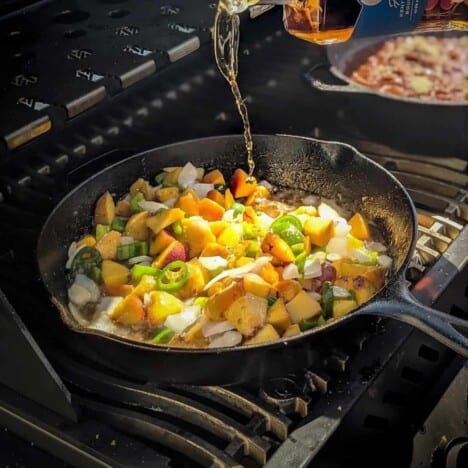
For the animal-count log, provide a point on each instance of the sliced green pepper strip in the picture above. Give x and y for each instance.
(300, 262)
(327, 300)
(138, 271)
(177, 228)
(250, 231)
(141, 248)
(101, 231)
(297, 248)
(252, 250)
(307, 324)
(238, 208)
(163, 336)
(173, 277)
(135, 203)
(85, 261)
(285, 221)
(159, 178)
(95, 274)
(271, 300)
(220, 187)
(118, 224)
(124, 252)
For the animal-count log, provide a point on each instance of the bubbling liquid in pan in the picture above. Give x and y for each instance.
(226, 49)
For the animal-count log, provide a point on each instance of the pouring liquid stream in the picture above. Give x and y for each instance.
(226, 49)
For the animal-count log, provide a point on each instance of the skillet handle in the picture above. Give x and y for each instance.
(319, 77)
(402, 305)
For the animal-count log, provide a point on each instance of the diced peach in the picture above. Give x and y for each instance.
(375, 274)
(214, 177)
(319, 230)
(274, 245)
(303, 307)
(228, 199)
(164, 219)
(260, 192)
(255, 284)
(354, 242)
(343, 307)
(247, 314)
(172, 175)
(266, 334)
(210, 210)
(188, 202)
(231, 236)
(278, 316)
(292, 330)
(269, 273)
(242, 185)
(88, 241)
(216, 196)
(121, 290)
(173, 252)
(288, 289)
(107, 245)
(160, 242)
(142, 186)
(166, 193)
(217, 227)
(197, 235)
(241, 261)
(219, 303)
(129, 312)
(214, 249)
(136, 226)
(359, 227)
(198, 277)
(114, 274)
(146, 285)
(249, 215)
(104, 212)
(123, 209)
(162, 305)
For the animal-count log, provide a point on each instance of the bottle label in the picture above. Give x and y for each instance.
(380, 17)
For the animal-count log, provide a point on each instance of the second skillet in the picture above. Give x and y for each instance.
(332, 170)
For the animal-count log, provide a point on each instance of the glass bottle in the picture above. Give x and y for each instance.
(333, 21)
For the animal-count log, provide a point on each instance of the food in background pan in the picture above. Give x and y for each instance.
(196, 262)
(423, 67)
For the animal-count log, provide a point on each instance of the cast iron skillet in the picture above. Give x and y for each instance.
(333, 170)
(433, 128)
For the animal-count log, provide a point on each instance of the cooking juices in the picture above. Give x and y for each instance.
(333, 21)
(226, 49)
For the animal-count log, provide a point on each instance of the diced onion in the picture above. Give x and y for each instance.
(215, 328)
(90, 285)
(230, 338)
(375, 246)
(341, 227)
(202, 189)
(360, 255)
(213, 263)
(140, 259)
(179, 322)
(188, 175)
(264, 220)
(315, 295)
(338, 245)
(76, 314)
(385, 261)
(79, 295)
(333, 257)
(169, 203)
(340, 292)
(327, 212)
(290, 271)
(152, 206)
(238, 272)
(312, 268)
(124, 240)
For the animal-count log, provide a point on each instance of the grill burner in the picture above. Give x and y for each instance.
(375, 381)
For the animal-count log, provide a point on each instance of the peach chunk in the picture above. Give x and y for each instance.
(173, 252)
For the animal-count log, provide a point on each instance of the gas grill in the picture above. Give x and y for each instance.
(87, 83)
